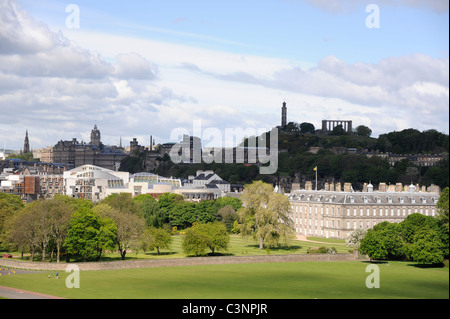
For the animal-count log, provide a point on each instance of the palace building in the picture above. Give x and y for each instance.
(334, 213)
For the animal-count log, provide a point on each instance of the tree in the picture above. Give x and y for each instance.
(218, 238)
(355, 238)
(23, 231)
(427, 247)
(202, 236)
(307, 128)
(60, 216)
(363, 130)
(383, 242)
(9, 205)
(443, 208)
(183, 214)
(228, 216)
(265, 215)
(156, 238)
(123, 202)
(149, 209)
(89, 234)
(338, 130)
(129, 227)
(195, 242)
(373, 246)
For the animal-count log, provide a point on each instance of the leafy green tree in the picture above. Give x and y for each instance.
(195, 242)
(23, 231)
(307, 128)
(228, 217)
(265, 215)
(218, 237)
(200, 237)
(183, 214)
(363, 130)
(156, 238)
(443, 208)
(150, 210)
(383, 242)
(123, 202)
(236, 228)
(427, 247)
(206, 211)
(234, 202)
(9, 205)
(373, 246)
(89, 234)
(129, 227)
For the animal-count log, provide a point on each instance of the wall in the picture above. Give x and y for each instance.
(177, 262)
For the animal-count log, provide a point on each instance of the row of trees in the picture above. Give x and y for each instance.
(64, 226)
(78, 227)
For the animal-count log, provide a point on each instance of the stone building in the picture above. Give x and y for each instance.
(335, 213)
(77, 153)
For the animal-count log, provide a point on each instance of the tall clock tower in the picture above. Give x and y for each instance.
(95, 136)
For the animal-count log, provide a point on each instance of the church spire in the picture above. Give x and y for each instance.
(26, 144)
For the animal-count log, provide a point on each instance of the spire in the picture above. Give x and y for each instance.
(26, 143)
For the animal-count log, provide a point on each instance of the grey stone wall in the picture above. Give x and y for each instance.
(191, 261)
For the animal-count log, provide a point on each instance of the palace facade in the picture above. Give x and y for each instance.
(335, 213)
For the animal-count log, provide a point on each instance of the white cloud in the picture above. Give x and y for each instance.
(63, 87)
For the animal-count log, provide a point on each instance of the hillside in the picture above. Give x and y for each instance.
(345, 158)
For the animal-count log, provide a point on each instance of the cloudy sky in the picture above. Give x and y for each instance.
(141, 68)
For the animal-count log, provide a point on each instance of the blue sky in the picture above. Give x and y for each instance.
(277, 28)
(164, 64)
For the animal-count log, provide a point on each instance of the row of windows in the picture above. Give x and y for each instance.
(354, 224)
(360, 211)
(366, 200)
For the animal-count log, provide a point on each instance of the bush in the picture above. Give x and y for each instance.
(200, 237)
(322, 250)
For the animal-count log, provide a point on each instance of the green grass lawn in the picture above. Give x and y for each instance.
(237, 247)
(304, 280)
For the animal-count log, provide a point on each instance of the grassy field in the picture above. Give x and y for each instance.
(237, 247)
(305, 280)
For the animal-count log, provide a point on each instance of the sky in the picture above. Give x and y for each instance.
(141, 68)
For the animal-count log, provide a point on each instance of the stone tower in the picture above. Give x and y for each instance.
(26, 144)
(283, 115)
(95, 136)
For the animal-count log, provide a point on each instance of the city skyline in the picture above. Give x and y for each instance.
(140, 69)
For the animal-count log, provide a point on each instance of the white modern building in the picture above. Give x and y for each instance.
(96, 183)
(93, 182)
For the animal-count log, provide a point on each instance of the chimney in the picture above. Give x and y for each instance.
(347, 187)
(308, 186)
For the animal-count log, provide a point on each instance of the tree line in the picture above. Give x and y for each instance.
(65, 227)
(76, 227)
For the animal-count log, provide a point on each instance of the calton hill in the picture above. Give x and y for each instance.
(341, 157)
